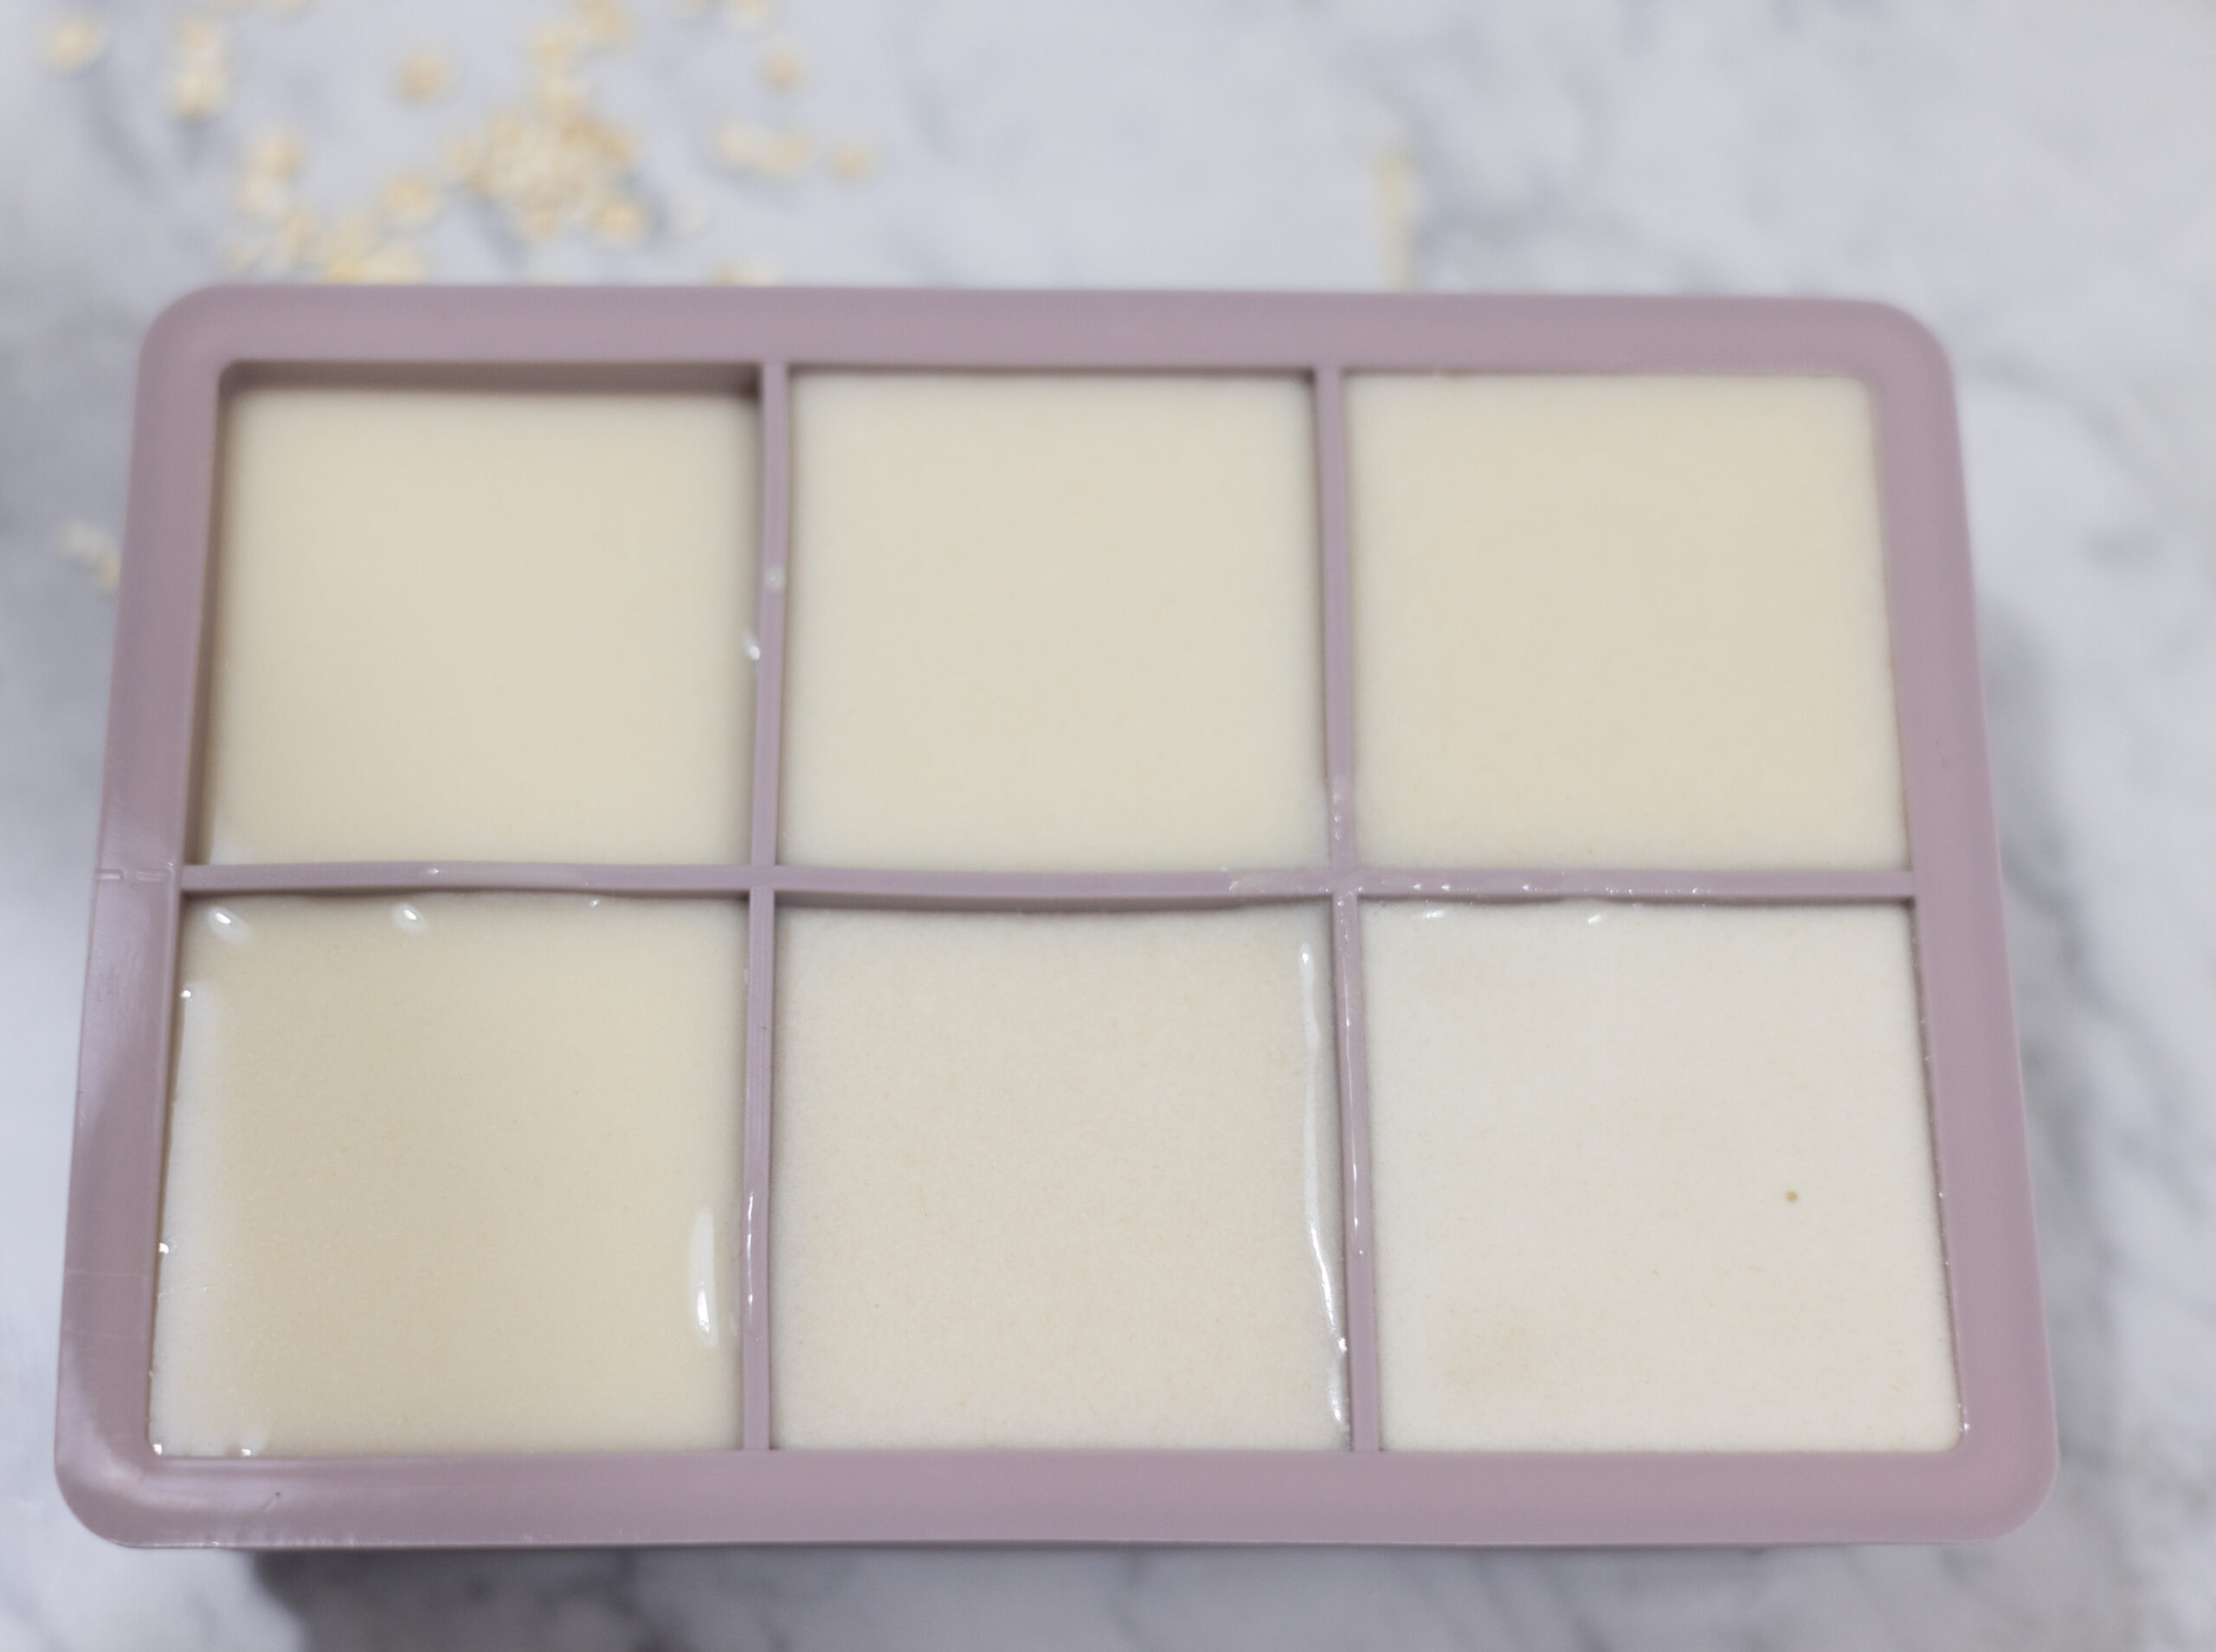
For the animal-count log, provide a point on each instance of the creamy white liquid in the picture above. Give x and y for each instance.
(485, 627)
(1056, 1181)
(1621, 621)
(1652, 1179)
(1053, 622)
(452, 1173)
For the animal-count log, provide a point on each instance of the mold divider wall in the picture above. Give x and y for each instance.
(755, 1354)
(1333, 525)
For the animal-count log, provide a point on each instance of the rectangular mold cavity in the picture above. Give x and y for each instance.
(1065, 622)
(452, 1173)
(1653, 1177)
(1817, 633)
(493, 621)
(1078, 1186)
(1621, 620)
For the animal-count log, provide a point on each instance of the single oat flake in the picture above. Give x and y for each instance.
(96, 551)
(745, 148)
(606, 24)
(199, 80)
(745, 272)
(783, 65)
(423, 77)
(74, 42)
(408, 200)
(853, 159)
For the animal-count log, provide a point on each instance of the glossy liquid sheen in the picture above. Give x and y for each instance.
(1056, 1181)
(1620, 622)
(1653, 1178)
(482, 627)
(1064, 622)
(457, 1172)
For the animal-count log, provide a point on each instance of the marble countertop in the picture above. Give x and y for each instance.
(2032, 179)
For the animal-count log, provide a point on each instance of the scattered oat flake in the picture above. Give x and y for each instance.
(199, 80)
(95, 550)
(561, 91)
(553, 164)
(354, 250)
(263, 197)
(745, 272)
(789, 155)
(750, 14)
(74, 42)
(408, 200)
(285, 8)
(389, 263)
(198, 91)
(556, 43)
(264, 191)
(538, 222)
(276, 154)
(295, 238)
(347, 236)
(1399, 205)
(462, 154)
(853, 159)
(783, 65)
(200, 37)
(738, 145)
(745, 148)
(619, 221)
(424, 77)
(548, 166)
(606, 24)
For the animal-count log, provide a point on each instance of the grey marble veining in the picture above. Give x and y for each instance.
(2032, 179)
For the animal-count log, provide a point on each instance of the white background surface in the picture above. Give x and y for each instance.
(2037, 180)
